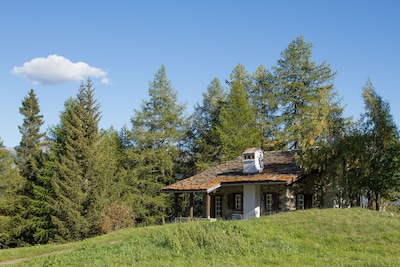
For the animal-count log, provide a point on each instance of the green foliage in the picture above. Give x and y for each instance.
(263, 97)
(381, 148)
(305, 95)
(157, 130)
(12, 186)
(75, 177)
(334, 237)
(30, 222)
(29, 152)
(204, 140)
(238, 128)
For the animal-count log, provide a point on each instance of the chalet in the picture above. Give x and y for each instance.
(254, 184)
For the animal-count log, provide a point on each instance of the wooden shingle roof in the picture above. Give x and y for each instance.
(279, 166)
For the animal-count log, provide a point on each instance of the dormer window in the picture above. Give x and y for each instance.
(253, 161)
(249, 156)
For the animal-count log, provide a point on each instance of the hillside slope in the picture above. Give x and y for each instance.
(331, 237)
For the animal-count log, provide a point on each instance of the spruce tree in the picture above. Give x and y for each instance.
(157, 130)
(75, 168)
(29, 152)
(12, 187)
(34, 222)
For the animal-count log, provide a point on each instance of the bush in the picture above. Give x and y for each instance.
(115, 217)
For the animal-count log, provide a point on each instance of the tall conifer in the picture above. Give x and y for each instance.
(204, 139)
(75, 169)
(238, 128)
(157, 130)
(306, 97)
(34, 222)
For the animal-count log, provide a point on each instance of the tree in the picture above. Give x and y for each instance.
(305, 95)
(75, 142)
(29, 152)
(11, 199)
(381, 163)
(108, 187)
(238, 129)
(240, 73)
(157, 130)
(309, 114)
(262, 96)
(204, 139)
(33, 222)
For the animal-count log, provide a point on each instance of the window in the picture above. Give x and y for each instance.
(249, 156)
(268, 202)
(238, 202)
(218, 206)
(300, 201)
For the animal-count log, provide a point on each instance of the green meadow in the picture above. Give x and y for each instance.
(328, 237)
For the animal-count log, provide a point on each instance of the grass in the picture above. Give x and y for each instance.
(331, 237)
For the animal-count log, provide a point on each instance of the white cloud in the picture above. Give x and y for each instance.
(57, 69)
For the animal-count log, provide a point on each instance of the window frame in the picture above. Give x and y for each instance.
(300, 201)
(269, 201)
(218, 206)
(238, 202)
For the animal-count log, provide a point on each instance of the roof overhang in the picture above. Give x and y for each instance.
(258, 182)
(209, 190)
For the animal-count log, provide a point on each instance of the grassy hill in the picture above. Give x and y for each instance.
(331, 237)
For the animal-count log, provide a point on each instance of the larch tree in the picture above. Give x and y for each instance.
(205, 143)
(238, 128)
(306, 96)
(157, 130)
(381, 156)
(262, 96)
(309, 113)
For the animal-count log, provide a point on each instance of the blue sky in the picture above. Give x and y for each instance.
(51, 45)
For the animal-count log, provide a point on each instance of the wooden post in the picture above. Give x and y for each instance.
(208, 206)
(191, 206)
(176, 204)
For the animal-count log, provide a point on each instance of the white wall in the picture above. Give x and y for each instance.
(251, 201)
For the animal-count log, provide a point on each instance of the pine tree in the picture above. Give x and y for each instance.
(238, 128)
(75, 142)
(157, 130)
(204, 139)
(306, 97)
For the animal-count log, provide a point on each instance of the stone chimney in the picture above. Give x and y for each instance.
(253, 161)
